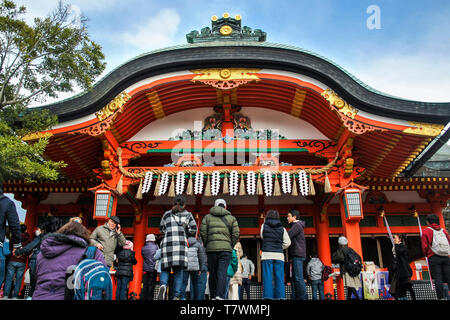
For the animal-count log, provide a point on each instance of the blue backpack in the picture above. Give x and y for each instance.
(91, 279)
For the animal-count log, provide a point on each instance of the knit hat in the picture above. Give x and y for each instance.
(220, 201)
(128, 245)
(343, 241)
(150, 237)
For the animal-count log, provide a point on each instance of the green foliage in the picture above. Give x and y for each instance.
(36, 62)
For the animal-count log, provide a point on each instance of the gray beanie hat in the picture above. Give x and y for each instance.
(343, 241)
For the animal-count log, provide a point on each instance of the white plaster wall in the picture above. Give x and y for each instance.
(288, 126)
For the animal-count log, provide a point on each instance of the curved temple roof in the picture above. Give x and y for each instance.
(249, 55)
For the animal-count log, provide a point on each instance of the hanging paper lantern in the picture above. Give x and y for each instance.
(303, 184)
(286, 182)
(147, 182)
(180, 183)
(268, 183)
(233, 184)
(164, 183)
(215, 183)
(251, 182)
(198, 183)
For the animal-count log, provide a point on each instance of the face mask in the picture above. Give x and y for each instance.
(37, 232)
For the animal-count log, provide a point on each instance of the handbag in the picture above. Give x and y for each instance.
(394, 283)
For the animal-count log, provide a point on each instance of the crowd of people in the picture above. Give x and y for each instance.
(194, 262)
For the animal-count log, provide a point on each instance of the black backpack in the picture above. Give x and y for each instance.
(352, 263)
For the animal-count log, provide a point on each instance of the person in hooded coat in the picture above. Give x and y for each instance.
(314, 270)
(60, 250)
(220, 233)
(275, 239)
(148, 267)
(125, 261)
(196, 259)
(176, 225)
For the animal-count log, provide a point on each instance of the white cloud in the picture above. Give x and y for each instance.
(421, 76)
(158, 31)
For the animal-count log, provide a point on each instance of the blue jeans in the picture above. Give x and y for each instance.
(317, 288)
(177, 279)
(194, 286)
(273, 271)
(122, 288)
(299, 289)
(202, 284)
(17, 268)
(2, 271)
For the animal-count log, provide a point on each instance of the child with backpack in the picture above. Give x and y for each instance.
(124, 270)
(350, 266)
(196, 258)
(314, 270)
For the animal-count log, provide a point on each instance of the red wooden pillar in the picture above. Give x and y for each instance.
(138, 241)
(323, 244)
(31, 214)
(353, 235)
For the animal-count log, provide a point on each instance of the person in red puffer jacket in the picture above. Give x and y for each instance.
(437, 252)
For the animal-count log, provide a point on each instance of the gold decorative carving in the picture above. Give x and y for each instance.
(424, 129)
(226, 30)
(341, 105)
(36, 136)
(115, 105)
(225, 78)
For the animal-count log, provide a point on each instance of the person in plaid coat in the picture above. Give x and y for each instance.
(176, 225)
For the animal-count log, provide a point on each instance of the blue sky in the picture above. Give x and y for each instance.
(409, 56)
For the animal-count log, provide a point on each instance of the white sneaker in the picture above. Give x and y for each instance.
(161, 292)
(218, 298)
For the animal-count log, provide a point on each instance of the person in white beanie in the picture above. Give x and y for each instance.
(350, 267)
(148, 268)
(220, 233)
(126, 259)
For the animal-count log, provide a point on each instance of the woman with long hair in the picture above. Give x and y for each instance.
(401, 269)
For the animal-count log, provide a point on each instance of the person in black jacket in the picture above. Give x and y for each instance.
(297, 253)
(124, 269)
(34, 247)
(401, 270)
(8, 214)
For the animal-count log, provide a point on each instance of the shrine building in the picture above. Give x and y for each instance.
(261, 125)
